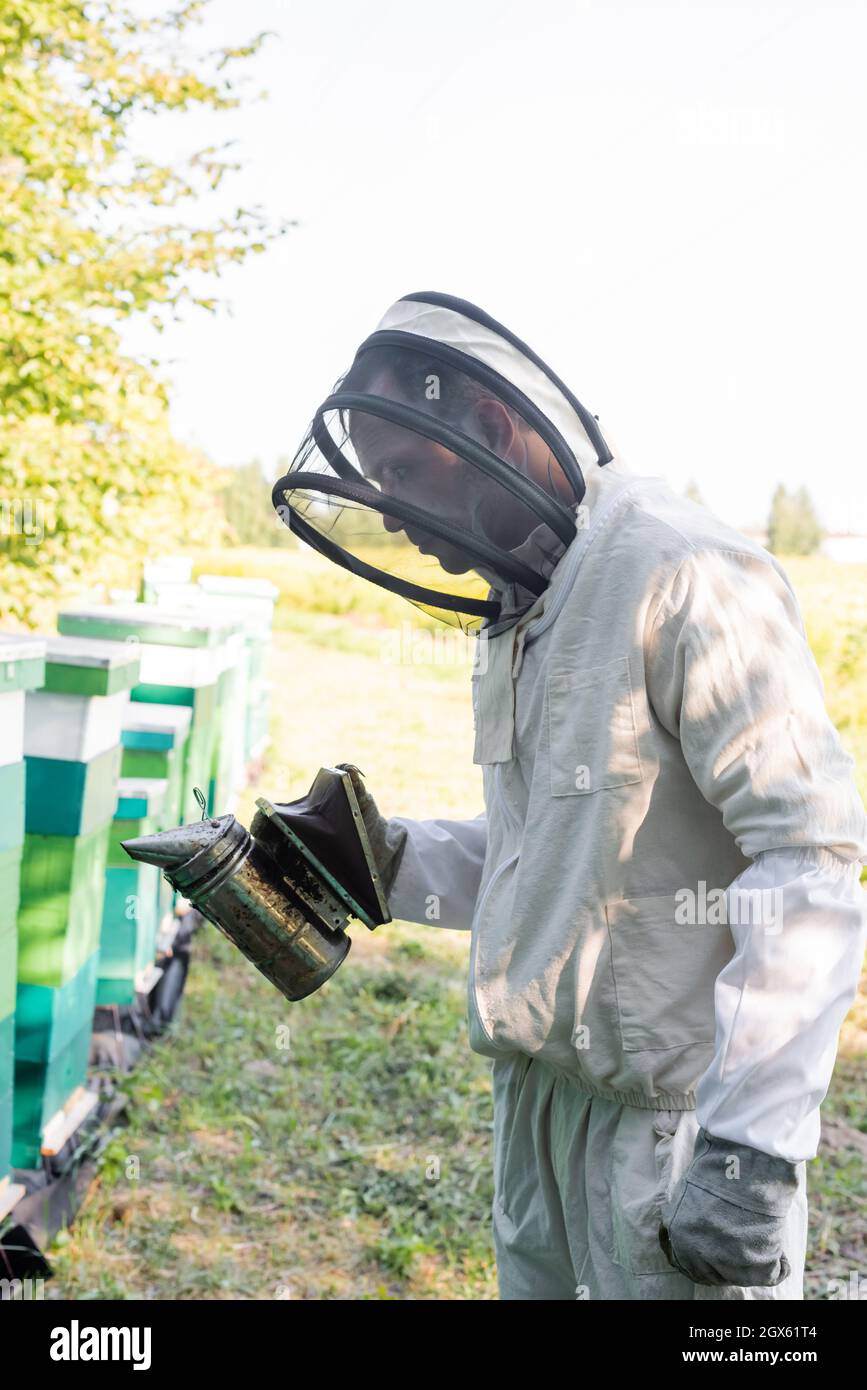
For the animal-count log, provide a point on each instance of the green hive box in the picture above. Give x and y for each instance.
(22, 662)
(234, 768)
(180, 662)
(81, 666)
(200, 757)
(10, 886)
(253, 599)
(59, 919)
(259, 653)
(7, 1052)
(8, 949)
(12, 802)
(201, 699)
(66, 798)
(128, 944)
(258, 718)
(249, 602)
(41, 1088)
(5, 1132)
(144, 623)
(7, 1068)
(131, 908)
(72, 735)
(22, 669)
(77, 715)
(199, 747)
(225, 779)
(8, 971)
(46, 1019)
(165, 765)
(165, 576)
(154, 746)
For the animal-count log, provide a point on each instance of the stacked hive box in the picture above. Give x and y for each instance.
(229, 764)
(72, 750)
(22, 668)
(127, 944)
(180, 665)
(154, 741)
(228, 767)
(251, 602)
(244, 690)
(165, 578)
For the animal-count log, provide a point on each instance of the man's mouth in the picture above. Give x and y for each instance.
(416, 540)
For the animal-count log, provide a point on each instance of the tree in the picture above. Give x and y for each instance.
(793, 527)
(691, 491)
(92, 232)
(246, 499)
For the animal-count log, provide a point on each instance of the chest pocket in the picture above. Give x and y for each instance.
(592, 734)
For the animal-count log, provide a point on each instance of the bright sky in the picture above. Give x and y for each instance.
(666, 200)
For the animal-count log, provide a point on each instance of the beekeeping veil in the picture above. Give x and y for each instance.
(447, 465)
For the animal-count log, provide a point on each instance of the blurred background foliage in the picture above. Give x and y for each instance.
(93, 232)
(793, 527)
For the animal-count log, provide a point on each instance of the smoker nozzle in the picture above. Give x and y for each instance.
(171, 848)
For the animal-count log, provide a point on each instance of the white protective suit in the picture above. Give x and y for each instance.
(655, 750)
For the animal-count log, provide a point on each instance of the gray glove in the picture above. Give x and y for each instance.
(720, 1229)
(387, 840)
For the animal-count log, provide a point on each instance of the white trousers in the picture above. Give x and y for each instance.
(579, 1187)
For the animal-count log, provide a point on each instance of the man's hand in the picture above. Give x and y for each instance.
(725, 1219)
(386, 841)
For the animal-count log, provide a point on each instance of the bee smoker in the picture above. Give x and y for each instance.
(284, 890)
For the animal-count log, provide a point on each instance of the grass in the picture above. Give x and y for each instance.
(833, 599)
(355, 1161)
(348, 1158)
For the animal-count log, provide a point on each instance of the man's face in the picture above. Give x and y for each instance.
(414, 469)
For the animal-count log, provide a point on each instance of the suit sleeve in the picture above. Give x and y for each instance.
(780, 1001)
(731, 675)
(440, 870)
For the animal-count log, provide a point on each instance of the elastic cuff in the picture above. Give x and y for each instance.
(819, 857)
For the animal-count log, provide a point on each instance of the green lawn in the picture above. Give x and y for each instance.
(355, 1162)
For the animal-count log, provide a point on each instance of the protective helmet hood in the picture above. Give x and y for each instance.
(447, 465)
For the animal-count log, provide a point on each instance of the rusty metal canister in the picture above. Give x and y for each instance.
(287, 923)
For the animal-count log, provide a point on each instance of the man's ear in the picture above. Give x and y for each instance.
(496, 426)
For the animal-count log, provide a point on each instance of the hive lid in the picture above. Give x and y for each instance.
(88, 666)
(22, 662)
(149, 622)
(235, 586)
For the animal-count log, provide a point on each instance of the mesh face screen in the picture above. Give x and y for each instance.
(428, 473)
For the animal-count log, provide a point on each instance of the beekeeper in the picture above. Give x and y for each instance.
(663, 893)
